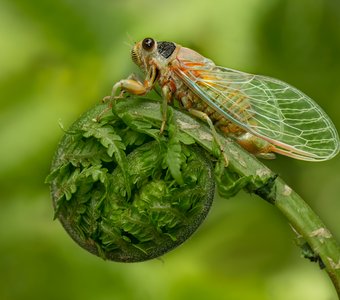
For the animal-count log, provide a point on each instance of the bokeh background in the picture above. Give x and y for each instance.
(58, 58)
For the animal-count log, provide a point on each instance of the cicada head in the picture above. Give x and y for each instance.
(149, 51)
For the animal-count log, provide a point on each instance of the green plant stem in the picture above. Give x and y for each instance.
(306, 224)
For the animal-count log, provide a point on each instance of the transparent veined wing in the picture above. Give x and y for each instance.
(268, 108)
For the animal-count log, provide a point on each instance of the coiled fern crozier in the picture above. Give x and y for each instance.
(127, 193)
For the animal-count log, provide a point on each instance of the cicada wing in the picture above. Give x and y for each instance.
(268, 108)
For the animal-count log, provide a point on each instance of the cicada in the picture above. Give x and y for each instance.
(264, 115)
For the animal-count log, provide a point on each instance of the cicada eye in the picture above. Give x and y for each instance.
(148, 44)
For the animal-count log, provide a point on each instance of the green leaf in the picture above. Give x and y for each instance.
(228, 182)
(112, 142)
(68, 184)
(86, 153)
(97, 172)
(130, 137)
(185, 138)
(173, 157)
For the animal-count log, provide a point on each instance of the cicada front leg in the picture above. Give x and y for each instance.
(133, 86)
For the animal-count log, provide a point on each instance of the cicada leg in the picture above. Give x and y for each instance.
(256, 146)
(167, 95)
(204, 117)
(132, 85)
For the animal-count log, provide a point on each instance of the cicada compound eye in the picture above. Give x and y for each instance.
(148, 44)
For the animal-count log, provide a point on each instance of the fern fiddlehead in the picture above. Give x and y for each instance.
(125, 196)
(126, 193)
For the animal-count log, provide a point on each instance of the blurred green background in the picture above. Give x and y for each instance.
(58, 58)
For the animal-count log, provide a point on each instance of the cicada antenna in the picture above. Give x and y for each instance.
(130, 40)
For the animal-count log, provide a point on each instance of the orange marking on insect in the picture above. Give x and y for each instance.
(172, 86)
(193, 64)
(217, 116)
(251, 147)
(234, 94)
(239, 106)
(229, 128)
(194, 73)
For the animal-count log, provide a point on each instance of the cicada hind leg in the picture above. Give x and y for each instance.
(204, 117)
(257, 146)
(251, 143)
